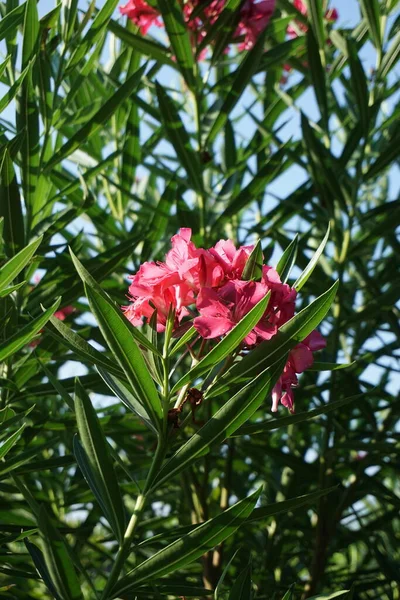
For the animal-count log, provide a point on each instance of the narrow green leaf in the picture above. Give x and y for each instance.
(182, 341)
(116, 330)
(93, 34)
(126, 397)
(318, 75)
(342, 594)
(95, 462)
(15, 265)
(190, 547)
(25, 334)
(9, 442)
(11, 21)
(179, 138)
(227, 345)
(234, 413)
(96, 123)
(303, 278)
(14, 89)
(326, 366)
(316, 16)
(390, 58)
(58, 562)
(359, 85)
(288, 259)
(178, 34)
(218, 593)
(289, 594)
(159, 222)
(10, 290)
(241, 78)
(11, 206)
(81, 347)
(271, 424)
(242, 588)
(371, 12)
(389, 153)
(253, 268)
(270, 351)
(146, 46)
(40, 564)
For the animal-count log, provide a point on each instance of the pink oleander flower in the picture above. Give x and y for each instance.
(331, 15)
(300, 359)
(205, 288)
(254, 18)
(142, 14)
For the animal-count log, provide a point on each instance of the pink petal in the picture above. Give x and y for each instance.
(301, 357)
(211, 327)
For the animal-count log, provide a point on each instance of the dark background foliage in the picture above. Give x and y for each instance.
(96, 156)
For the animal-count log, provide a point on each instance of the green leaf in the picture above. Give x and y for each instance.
(288, 259)
(240, 79)
(218, 593)
(15, 265)
(342, 594)
(359, 85)
(371, 12)
(227, 345)
(178, 34)
(270, 351)
(11, 21)
(25, 334)
(388, 154)
(81, 347)
(116, 330)
(96, 123)
(326, 366)
(271, 424)
(10, 290)
(94, 460)
(303, 278)
(93, 34)
(289, 594)
(9, 442)
(58, 562)
(179, 138)
(146, 46)
(236, 411)
(390, 58)
(242, 588)
(318, 76)
(40, 564)
(126, 397)
(11, 206)
(190, 547)
(14, 89)
(316, 16)
(264, 512)
(253, 268)
(159, 222)
(182, 341)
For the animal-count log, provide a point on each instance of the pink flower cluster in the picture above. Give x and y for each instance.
(331, 15)
(253, 19)
(205, 288)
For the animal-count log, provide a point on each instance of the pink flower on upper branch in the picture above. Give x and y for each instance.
(254, 18)
(142, 14)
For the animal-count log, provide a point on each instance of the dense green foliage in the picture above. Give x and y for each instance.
(109, 143)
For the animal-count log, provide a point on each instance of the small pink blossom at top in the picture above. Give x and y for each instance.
(204, 286)
(254, 18)
(331, 15)
(142, 14)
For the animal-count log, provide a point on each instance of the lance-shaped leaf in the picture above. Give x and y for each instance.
(390, 58)
(40, 564)
(126, 397)
(94, 459)
(6, 445)
(116, 330)
(236, 411)
(24, 335)
(96, 123)
(227, 345)
(371, 12)
(241, 79)
(264, 512)
(269, 351)
(10, 205)
(179, 138)
(14, 89)
(303, 278)
(289, 594)
(59, 565)
(359, 84)
(343, 595)
(15, 265)
(11, 21)
(190, 547)
(318, 76)
(288, 259)
(242, 588)
(178, 34)
(316, 17)
(253, 268)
